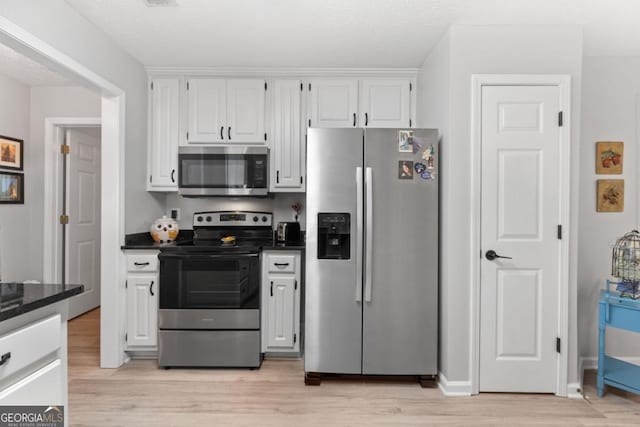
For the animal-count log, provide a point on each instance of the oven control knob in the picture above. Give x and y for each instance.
(255, 219)
(199, 219)
(264, 219)
(208, 219)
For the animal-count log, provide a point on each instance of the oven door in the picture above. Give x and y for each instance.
(192, 281)
(223, 171)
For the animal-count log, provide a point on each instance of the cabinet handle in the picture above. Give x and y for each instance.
(281, 264)
(140, 264)
(221, 132)
(229, 133)
(151, 289)
(173, 173)
(271, 288)
(354, 119)
(366, 119)
(5, 358)
(277, 177)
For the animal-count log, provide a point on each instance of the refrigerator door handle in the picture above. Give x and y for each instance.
(368, 236)
(359, 230)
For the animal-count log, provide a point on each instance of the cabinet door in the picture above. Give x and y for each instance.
(385, 103)
(207, 110)
(287, 153)
(142, 310)
(164, 132)
(334, 103)
(245, 111)
(43, 387)
(281, 314)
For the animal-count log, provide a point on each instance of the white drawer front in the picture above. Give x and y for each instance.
(43, 387)
(30, 344)
(281, 263)
(146, 262)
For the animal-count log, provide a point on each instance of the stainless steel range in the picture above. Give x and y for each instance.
(210, 294)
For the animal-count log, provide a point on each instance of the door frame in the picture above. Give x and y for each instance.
(563, 82)
(52, 236)
(113, 109)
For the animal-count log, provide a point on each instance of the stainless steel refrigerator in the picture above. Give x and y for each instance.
(371, 304)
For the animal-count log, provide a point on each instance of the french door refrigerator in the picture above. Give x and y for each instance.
(371, 304)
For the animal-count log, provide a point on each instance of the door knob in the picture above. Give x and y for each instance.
(491, 255)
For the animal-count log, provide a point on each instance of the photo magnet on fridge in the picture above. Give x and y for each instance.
(405, 141)
(405, 169)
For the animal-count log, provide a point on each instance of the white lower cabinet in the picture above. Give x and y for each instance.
(281, 288)
(142, 301)
(34, 360)
(43, 387)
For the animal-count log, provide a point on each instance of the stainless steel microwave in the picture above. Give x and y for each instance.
(223, 171)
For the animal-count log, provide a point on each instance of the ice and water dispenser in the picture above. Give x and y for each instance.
(334, 235)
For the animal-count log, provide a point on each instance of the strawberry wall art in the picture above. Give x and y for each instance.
(609, 156)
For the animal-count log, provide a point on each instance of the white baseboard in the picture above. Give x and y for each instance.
(591, 362)
(453, 388)
(574, 390)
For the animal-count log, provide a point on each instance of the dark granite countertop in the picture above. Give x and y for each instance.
(288, 246)
(144, 240)
(21, 298)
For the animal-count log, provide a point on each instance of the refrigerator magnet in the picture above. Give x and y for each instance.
(405, 169)
(405, 141)
(417, 144)
(428, 175)
(419, 167)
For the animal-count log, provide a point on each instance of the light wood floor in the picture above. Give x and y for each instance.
(139, 394)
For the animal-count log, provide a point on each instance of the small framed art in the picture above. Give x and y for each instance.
(11, 188)
(609, 155)
(11, 154)
(610, 195)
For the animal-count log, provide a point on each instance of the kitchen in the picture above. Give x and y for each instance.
(439, 99)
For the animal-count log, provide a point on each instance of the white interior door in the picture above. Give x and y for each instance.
(83, 230)
(520, 214)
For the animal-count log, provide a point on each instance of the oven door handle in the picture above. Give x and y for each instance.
(196, 256)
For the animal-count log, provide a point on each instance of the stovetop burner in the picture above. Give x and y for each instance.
(251, 230)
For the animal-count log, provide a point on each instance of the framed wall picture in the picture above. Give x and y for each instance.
(11, 154)
(11, 188)
(610, 195)
(609, 156)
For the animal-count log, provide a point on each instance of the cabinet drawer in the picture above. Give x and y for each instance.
(142, 262)
(29, 344)
(43, 387)
(281, 263)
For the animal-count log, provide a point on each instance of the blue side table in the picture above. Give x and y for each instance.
(621, 313)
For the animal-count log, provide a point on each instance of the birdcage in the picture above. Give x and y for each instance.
(625, 264)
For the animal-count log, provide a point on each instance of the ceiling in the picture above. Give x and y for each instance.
(338, 33)
(25, 70)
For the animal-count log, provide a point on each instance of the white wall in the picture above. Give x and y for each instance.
(49, 102)
(14, 219)
(432, 111)
(491, 50)
(59, 25)
(610, 94)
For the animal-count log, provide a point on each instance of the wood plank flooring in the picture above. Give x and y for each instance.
(140, 394)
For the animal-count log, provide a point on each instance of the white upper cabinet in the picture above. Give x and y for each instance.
(385, 103)
(333, 103)
(245, 110)
(287, 146)
(206, 110)
(225, 111)
(164, 133)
